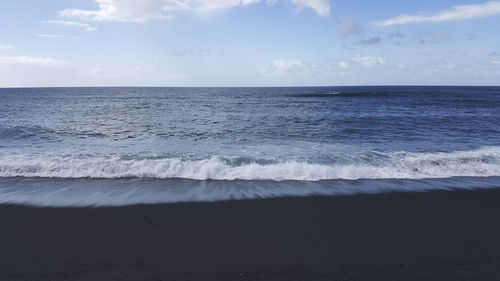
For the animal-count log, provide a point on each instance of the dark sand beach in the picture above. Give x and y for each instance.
(444, 235)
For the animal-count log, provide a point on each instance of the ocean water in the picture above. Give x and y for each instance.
(119, 146)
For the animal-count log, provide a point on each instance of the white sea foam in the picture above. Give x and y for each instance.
(119, 192)
(482, 162)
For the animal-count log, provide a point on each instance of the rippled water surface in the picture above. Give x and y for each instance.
(255, 135)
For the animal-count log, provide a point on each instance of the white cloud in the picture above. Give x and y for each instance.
(85, 26)
(219, 4)
(495, 61)
(282, 68)
(322, 7)
(98, 74)
(43, 35)
(343, 65)
(368, 61)
(7, 47)
(284, 65)
(26, 60)
(140, 11)
(462, 12)
(125, 11)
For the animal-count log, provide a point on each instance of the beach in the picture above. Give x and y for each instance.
(439, 235)
(249, 140)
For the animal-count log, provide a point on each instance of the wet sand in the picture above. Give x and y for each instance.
(444, 235)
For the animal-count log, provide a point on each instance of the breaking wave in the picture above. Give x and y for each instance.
(484, 162)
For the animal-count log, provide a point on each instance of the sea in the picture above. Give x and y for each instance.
(121, 146)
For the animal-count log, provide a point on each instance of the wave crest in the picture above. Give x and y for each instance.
(483, 162)
(343, 94)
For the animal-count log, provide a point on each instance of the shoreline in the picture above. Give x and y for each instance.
(434, 235)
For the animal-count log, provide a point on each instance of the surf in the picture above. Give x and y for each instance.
(483, 162)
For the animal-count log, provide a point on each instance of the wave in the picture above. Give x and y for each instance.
(23, 132)
(343, 94)
(484, 162)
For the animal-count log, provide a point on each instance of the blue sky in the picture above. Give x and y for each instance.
(248, 42)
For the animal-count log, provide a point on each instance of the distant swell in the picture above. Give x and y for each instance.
(22, 132)
(483, 162)
(342, 94)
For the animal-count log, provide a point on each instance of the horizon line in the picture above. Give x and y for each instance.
(308, 86)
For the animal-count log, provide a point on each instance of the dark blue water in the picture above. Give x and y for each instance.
(94, 145)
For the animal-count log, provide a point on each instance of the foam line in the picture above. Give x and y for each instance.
(484, 162)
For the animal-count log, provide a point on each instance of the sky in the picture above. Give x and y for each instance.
(57, 43)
